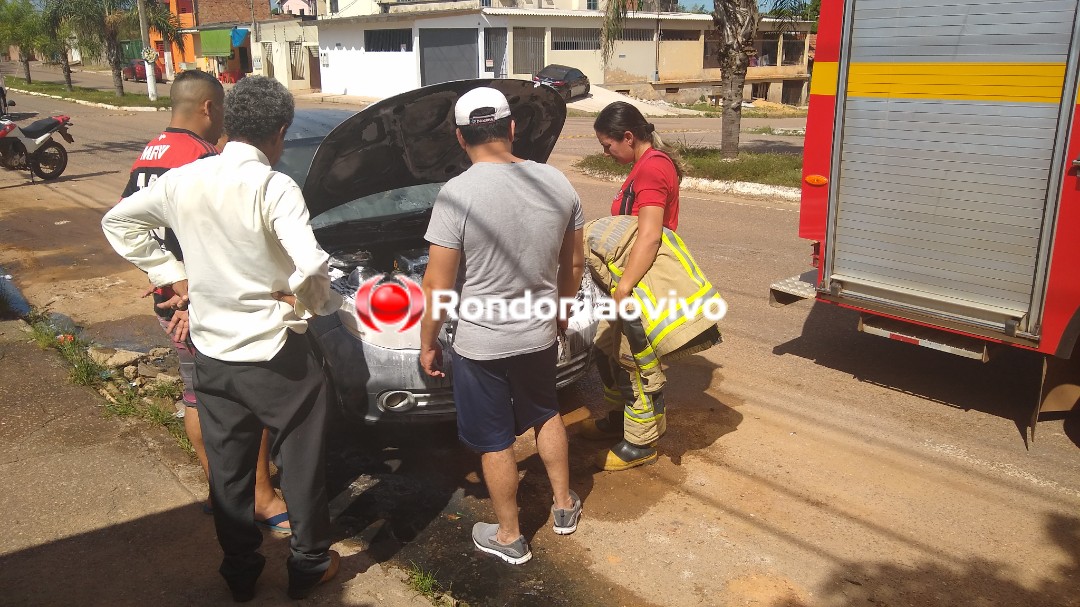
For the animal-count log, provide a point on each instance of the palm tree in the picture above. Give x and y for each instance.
(21, 25)
(100, 24)
(736, 25)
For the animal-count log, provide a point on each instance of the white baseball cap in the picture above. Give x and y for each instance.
(481, 105)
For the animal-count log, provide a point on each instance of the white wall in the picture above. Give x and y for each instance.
(352, 71)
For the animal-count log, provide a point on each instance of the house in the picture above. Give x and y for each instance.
(287, 49)
(660, 55)
(215, 35)
(301, 8)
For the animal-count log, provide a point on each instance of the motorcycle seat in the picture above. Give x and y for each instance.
(39, 127)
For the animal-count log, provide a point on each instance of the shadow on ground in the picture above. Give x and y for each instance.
(1006, 387)
(972, 582)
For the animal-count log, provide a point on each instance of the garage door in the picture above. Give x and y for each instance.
(448, 54)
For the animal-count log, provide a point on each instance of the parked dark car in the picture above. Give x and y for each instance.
(370, 183)
(136, 70)
(569, 81)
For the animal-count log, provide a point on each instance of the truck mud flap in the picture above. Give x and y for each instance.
(1060, 389)
(791, 290)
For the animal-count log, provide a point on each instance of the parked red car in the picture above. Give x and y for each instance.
(136, 70)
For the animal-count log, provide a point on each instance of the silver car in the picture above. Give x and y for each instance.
(370, 180)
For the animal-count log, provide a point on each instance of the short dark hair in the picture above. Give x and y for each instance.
(479, 134)
(197, 76)
(256, 109)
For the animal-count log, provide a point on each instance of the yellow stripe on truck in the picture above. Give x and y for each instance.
(826, 74)
(1015, 82)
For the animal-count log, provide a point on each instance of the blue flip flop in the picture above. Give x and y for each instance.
(274, 523)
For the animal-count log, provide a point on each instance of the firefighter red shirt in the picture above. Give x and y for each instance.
(169, 150)
(652, 182)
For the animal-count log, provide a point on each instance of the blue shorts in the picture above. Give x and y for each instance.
(500, 399)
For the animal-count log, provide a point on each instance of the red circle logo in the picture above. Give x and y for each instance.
(389, 303)
(398, 303)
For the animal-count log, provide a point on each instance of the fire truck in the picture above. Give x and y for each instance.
(940, 187)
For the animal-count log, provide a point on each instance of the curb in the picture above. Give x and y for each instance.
(92, 103)
(746, 189)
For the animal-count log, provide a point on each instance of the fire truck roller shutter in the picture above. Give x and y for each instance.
(947, 154)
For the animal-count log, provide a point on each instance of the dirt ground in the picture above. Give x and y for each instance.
(805, 463)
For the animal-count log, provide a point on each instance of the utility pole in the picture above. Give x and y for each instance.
(144, 28)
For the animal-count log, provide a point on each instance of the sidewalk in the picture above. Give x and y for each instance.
(105, 511)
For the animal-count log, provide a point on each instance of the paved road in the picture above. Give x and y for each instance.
(805, 464)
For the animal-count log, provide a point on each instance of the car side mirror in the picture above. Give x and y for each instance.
(11, 103)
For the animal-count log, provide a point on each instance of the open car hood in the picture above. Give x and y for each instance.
(409, 140)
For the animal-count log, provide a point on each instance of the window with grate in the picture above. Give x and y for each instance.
(333, 6)
(495, 51)
(636, 35)
(680, 35)
(297, 60)
(592, 5)
(575, 39)
(793, 50)
(759, 90)
(709, 58)
(388, 41)
(528, 50)
(765, 48)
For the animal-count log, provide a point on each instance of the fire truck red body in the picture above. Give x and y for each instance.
(940, 182)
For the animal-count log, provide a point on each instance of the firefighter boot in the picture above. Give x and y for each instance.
(624, 456)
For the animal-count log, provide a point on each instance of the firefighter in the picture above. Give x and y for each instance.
(650, 193)
(631, 350)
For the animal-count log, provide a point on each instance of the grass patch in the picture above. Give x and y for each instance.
(424, 583)
(167, 391)
(123, 399)
(84, 371)
(706, 163)
(88, 94)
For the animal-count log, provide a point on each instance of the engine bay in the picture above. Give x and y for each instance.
(351, 268)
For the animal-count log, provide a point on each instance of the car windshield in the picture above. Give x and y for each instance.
(553, 72)
(296, 160)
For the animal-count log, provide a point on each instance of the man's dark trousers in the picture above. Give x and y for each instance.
(288, 395)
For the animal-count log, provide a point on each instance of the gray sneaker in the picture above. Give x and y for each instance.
(566, 520)
(516, 553)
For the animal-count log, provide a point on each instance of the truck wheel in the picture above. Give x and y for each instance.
(50, 161)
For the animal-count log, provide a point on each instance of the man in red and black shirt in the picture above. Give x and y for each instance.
(196, 125)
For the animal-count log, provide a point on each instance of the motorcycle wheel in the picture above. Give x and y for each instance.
(50, 161)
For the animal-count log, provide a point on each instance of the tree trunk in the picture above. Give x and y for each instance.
(112, 55)
(736, 24)
(26, 67)
(732, 79)
(66, 65)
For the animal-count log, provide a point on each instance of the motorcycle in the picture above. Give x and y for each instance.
(33, 148)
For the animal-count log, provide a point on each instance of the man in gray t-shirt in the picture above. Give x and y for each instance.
(505, 230)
